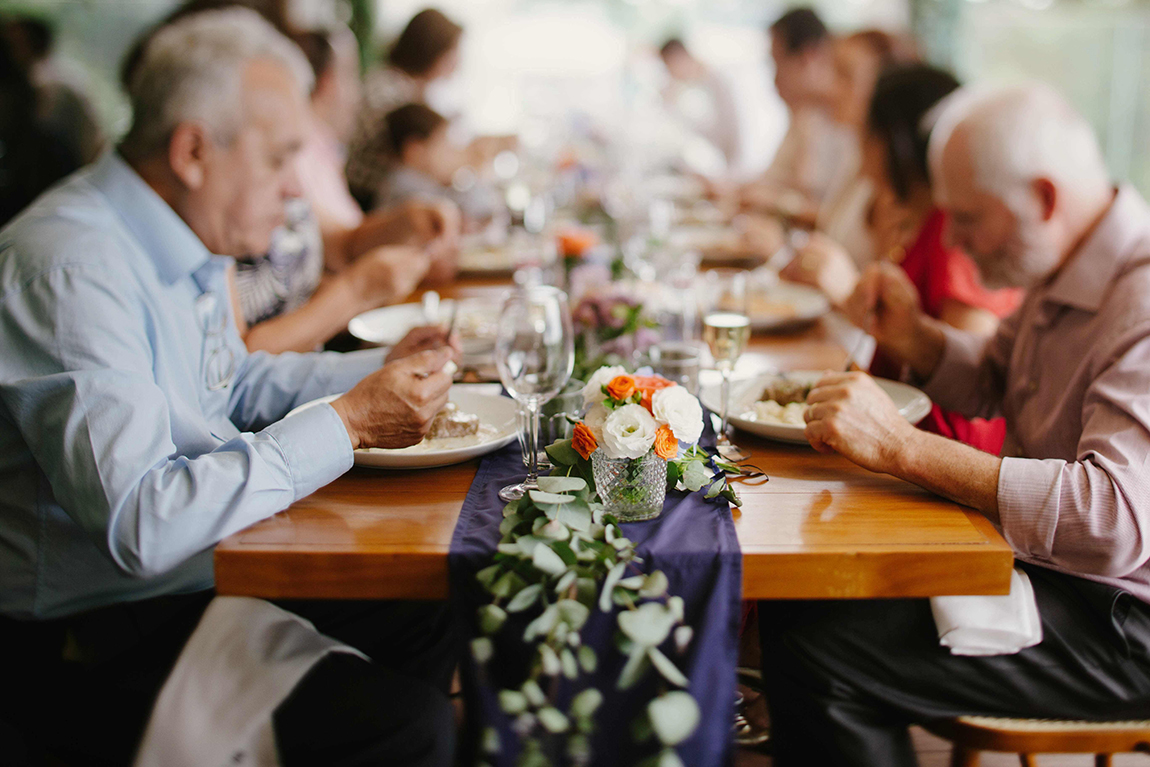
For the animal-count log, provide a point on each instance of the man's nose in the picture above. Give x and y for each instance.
(291, 187)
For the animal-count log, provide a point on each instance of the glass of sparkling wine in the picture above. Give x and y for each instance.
(726, 330)
(535, 353)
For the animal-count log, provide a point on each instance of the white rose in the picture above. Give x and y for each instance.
(679, 409)
(628, 432)
(595, 419)
(593, 391)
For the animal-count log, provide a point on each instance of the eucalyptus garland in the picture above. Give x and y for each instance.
(562, 555)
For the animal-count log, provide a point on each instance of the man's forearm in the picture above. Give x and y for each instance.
(951, 469)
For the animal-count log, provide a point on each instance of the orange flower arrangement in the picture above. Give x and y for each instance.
(666, 446)
(621, 387)
(575, 242)
(584, 442)
(648, 385)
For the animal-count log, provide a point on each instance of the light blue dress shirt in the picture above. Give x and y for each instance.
(135, 429)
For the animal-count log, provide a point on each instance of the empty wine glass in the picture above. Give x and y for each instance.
(535, 353)
(726, 330)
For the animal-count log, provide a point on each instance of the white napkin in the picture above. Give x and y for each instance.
(215, 708)
(987, 625)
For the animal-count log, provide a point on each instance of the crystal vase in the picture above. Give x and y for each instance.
(631, 488)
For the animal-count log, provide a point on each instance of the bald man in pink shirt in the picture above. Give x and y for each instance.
(1030, 199)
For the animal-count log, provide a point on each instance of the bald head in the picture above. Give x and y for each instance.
(1021, 175)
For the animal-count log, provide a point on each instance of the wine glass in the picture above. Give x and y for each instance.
(726, 330)
(535, 353)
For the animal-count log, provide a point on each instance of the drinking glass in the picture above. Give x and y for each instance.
(677, 361)
(726, 330)
(535, 353)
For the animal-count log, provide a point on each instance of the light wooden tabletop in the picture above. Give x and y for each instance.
(822, 528)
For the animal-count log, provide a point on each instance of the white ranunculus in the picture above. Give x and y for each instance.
(594, 420)
(679, 409)
(628, 432)
(593, 391)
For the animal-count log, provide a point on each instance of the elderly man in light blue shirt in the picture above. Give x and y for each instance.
(135, 429)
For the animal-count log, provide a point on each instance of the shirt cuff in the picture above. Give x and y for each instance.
(349, 368)
(315, 445)
(952, 376)
(1028, 503)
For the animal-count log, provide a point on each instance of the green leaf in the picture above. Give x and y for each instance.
(553, 531)
(695, 476)
(561, 484)
(487, 575)
(668, 758)
(613, 577)
(586, 703)
(534, 693)
(586, 590)
(568, 663)
(512, 702)
(562, 453)
(567, 581)
(587, 659)
(576, 516)
(683, 636)
(509, 548)
(528, 543)
(509, 523)
(579, 749)
(573, 613)
(641, 732)
(666, 668)
(482, 649)
(541, 497)
(549, 661)
(491, 618)
(655, 585)
(565, 552)
(553, 720)
(489, 742)
(674, 473)
(511, 508)
(525, 598)
(547, 561)
(649, 625)
(676, 606)
(542, 625)
(634, 583)
(634, 669)
(674, 716)
(510, 583)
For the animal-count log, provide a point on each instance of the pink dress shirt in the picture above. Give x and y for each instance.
(1070, 371)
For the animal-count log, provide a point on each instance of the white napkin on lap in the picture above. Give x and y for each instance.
(987, 625)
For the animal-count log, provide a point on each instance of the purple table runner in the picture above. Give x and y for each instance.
(693, 543)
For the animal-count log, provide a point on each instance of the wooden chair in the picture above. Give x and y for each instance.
(972, 734)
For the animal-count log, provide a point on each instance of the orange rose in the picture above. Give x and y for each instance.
(583, 441)
(574, 243)
(666, 446)
(648, 385)
(621, 387)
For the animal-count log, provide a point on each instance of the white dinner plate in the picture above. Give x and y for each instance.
(912, 404)
(497, 423)
(387, 325)
(785, 306)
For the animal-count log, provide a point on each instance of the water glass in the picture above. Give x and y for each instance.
(678, 361)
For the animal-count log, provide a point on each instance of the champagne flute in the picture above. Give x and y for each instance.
(535, 353)
(726, 330)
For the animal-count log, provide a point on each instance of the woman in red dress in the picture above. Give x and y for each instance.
(910, 230)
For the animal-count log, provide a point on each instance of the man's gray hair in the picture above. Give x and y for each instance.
(1017, 134)
(192, 69)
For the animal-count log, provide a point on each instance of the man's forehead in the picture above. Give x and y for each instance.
(956, 169)
(272, 97)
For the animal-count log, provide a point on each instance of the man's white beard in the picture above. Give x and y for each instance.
(1024, 261)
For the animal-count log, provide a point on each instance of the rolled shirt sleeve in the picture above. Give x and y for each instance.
(1091, 515)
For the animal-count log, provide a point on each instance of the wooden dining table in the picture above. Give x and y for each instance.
(820, 528)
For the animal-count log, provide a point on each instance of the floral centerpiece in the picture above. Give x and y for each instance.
(611, 327)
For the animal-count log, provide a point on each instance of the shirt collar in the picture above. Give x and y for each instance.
(1085, 279)
(169, 242)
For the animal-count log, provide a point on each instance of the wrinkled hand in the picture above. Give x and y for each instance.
(849, 414)
(394, 406)
(425, 338)
(387, 274)
(824, 264)
(760, 235)
(886, 305)
(436, 223)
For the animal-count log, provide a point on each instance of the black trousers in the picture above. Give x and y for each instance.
(844, 679)
(92, 708)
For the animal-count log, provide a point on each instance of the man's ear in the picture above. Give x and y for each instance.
(1047, 194)
(187, 153)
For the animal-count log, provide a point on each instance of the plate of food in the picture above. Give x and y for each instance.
(477, 420)
(476, 320)
(478, 258)
(784, 305)
(774, 406)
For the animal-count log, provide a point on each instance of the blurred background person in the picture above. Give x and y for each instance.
(63, 105)
(703, 99)
(32, 155)
(426, 50)
(425, 162)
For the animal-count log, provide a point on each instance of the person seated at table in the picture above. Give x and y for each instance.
(136, 431)
(425, 163)
(716, 118)
(909, 230)
(1028, 196)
